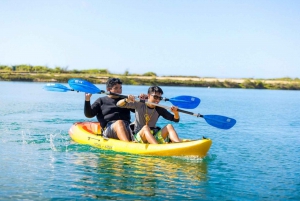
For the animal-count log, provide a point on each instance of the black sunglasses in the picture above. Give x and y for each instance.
(156, 97)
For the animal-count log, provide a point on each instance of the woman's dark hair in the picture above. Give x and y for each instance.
(111, 82)
(155, 89)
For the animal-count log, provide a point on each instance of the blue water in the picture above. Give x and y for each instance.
(257, 159)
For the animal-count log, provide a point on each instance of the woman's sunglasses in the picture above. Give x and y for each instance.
(156, 97)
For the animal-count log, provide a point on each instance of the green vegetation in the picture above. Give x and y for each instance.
(62, 74)
(149, 74)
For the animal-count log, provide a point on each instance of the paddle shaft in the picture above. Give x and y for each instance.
(125, 96)
(179, 110)
(217, 121)
(188, 102)
(163, 106)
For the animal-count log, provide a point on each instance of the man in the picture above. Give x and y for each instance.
(114, 121)
(146, 116)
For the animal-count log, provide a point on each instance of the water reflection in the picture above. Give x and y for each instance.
(112, 175)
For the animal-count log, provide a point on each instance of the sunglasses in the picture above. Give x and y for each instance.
(156, 97)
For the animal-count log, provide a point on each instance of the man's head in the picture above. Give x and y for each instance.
(154, 94)
(114, 85)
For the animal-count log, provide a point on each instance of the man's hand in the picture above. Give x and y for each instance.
(88, 96)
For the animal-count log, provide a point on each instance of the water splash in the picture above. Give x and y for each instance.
(58, 141)
(25, 136)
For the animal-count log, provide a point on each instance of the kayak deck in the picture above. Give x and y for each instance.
(89, 133)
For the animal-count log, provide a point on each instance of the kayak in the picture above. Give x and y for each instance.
(90, 133)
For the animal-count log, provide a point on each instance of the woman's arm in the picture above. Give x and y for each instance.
(167, 115)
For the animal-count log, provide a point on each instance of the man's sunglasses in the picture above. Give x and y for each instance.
(156, 97)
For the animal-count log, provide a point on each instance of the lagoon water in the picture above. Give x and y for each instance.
(257, 159)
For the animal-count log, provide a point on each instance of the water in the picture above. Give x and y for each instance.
(257, 159)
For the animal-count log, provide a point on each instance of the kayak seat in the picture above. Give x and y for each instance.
(93, 128)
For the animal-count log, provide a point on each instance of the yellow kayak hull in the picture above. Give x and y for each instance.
(89, 133)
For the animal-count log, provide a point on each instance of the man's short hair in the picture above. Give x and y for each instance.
(111, 82)
(155, 89)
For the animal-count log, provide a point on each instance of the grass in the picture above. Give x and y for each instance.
(280, 83)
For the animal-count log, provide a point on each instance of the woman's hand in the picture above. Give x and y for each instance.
(130, 99)
(174, 109)
(143, 96)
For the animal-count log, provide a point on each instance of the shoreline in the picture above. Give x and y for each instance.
(236, 80)
(211, 82)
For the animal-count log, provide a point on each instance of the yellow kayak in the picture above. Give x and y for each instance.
(89, 133)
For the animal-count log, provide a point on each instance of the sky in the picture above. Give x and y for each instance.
(205, 38)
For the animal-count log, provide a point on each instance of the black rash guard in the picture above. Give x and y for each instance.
(106, 110)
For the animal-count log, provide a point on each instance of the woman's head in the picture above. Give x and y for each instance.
(155, 89)
(154, 94)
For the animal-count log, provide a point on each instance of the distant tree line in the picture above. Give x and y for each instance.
(62, 74)
(44, 69)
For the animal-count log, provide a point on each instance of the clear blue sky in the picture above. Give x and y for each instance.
(206, 38)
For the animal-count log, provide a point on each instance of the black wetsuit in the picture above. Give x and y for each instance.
(106, 110)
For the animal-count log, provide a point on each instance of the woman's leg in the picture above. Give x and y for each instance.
(147, 136)
(169, 130)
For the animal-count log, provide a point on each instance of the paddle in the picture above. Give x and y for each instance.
(56, 87)
(217, 121)
(188, 102)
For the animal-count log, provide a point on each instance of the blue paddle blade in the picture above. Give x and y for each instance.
(56, 87)
(83, 86)
(188, 102)
(218, 121)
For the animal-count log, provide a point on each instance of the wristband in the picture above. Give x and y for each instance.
(125, 100)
